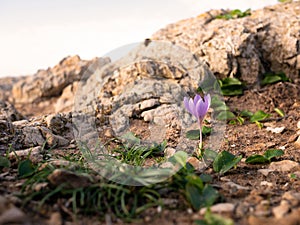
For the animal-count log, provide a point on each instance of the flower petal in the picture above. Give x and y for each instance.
(197, 98)
(207, 99)
(192, 107)
(200, 108)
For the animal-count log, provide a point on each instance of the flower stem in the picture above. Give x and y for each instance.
(200, 141)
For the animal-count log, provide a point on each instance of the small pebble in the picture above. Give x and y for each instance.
(220, 208)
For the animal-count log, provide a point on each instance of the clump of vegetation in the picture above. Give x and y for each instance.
(234, 14)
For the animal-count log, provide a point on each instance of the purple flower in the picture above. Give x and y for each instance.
(198, 106)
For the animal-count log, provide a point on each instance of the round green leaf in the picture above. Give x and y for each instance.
(271, 153)
(256, 159)
(25, 168)
(4, 162)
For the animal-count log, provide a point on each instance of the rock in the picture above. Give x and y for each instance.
(9, 214)
(69, 179)
(276, 130)
(284, 165)
(297, 142)
(52, 139)
(51, 82)
(266, 183)
(292, 197)
(233, 186)
(65, 102)
(34, 154)
(6, 85)
(289, 219)
(194, 162)
(55, 219)
(31, 137)
(8, 111)
(6, 133)
(149, 83)
(169, 152)
(281, 210)
(220, 208)
(265, 172)
(267, 40)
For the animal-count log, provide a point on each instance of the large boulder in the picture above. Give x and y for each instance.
(266, 41)
(51, 82)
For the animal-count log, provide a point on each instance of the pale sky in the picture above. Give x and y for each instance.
(37, 34)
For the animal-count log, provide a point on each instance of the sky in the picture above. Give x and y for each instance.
(37, 34)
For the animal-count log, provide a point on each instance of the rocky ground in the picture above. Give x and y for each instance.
(143, 92)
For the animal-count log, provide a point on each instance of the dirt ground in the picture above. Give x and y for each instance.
(254, 194)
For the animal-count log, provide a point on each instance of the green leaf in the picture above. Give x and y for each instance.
(206, 178)
(240, 119)
(232, 122)
(271, 78)
(193, 191)
(4, 162)
(233, 14)
(25, 168)
(209, 155)
(259, 116)
(209, 196)
(256, 159)
(231, 86)
(225, 161)
(279, 111)
(259, 124)
(271, 153)
(181, 157)
(246, 113)
(226, 82)
(232, 90)
(195, 134)
(216, 102)
(225, 115)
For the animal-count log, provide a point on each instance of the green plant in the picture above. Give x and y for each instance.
(233, 14)
(265, 158)
(231, 86)
(4, 161)
(224, 161)
(271, 78)
(213, 219)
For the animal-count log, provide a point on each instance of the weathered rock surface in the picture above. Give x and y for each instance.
(268, 40)
(9, 112)
(53, 130)
(150, 84)
(50, 82)
(6, 85)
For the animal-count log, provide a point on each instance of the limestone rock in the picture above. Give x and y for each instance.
(66, 100)
(10, 214)
(70, 179)
(149, 83)
(51, 82)
(220, 208)
(284, 165)
(267, 40)
(6, 85)
(8, 111)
